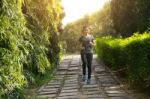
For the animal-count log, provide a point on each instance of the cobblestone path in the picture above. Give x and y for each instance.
(67, 83)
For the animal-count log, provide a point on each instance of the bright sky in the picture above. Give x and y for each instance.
(75, 9)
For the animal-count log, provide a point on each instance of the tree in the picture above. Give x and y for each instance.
(101, 22)
(130, 16)
(28, 29)
(44, 21)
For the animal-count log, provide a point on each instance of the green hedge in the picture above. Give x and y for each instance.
(131, 54)
(111, 50)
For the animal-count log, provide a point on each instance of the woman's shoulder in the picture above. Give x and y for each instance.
(91, 36)
(81, 38)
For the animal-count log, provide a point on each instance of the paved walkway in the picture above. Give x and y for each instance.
(68, 85)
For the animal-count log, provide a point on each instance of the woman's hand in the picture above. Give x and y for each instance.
(92, 43)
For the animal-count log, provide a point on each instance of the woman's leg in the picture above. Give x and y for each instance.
(89, 63)
(84, 63)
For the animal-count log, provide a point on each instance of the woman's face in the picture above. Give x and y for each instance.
(86, 30)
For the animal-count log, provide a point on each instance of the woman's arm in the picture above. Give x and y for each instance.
(81, 44)
(93, 43)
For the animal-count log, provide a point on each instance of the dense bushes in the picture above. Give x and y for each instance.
(13, 46)
(131, 54)
(26, 36)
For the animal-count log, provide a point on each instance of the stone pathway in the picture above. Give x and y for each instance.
(67, 83)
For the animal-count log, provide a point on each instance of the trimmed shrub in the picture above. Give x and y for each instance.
(131, 54)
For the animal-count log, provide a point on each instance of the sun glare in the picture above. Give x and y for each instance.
(75, 9)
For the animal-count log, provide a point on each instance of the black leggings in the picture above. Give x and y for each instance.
(87, 61)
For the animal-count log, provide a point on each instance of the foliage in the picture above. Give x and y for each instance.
(130, 16)
(13, 46)
(100, 23)
(131, 54)
(111, 51)
(116, 18)
(28, 30)
(70, 36)
(44, 19)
